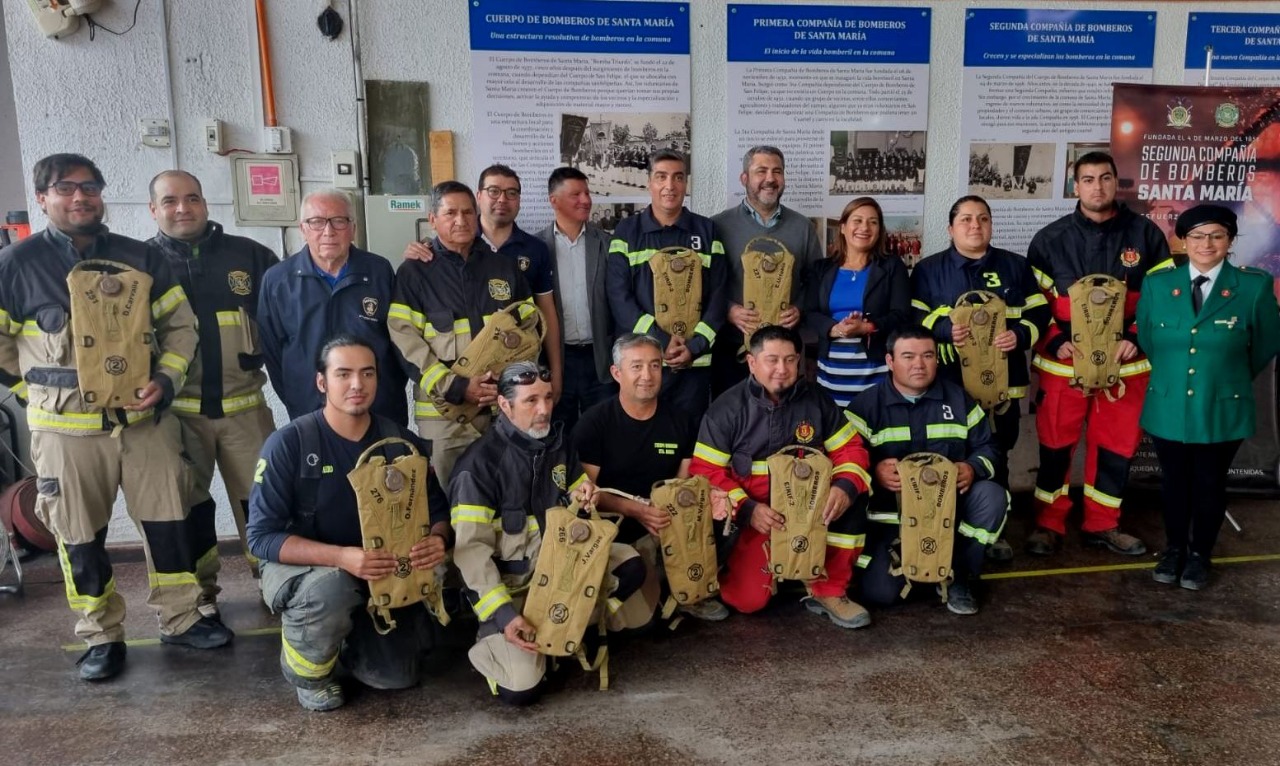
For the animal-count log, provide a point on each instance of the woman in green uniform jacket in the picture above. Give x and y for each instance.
(1208, 329)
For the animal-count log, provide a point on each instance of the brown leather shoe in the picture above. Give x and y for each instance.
(1116, 541)
(840, 610)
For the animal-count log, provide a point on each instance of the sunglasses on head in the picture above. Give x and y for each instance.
(528, 376)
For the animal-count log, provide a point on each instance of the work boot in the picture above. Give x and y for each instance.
(960, 598)
(1195, 575)
(1000, 550)
(840, 610)
(1115, 541)
(1169, 567)
(102, 661)
(709, 610)
(1043, 542)
(206, 633)
(326, 698)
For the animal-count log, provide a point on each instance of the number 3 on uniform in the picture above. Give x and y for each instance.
(695, 242)
(947, 414)
(992, 277)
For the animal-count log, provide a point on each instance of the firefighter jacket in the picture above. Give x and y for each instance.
(37, 353)
(298, 312)
(944, 420)
(221, 275)
(501, 489)
(745, 426)
(629, 280)
(440, 304)
(937, 281)
(1127, 246)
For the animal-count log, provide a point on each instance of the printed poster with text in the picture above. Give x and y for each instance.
(1037, 95)
(1246, 49)
(595, 85)
(843, 91)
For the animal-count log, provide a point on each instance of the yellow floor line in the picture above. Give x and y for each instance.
(1116, 567)
(990, 576)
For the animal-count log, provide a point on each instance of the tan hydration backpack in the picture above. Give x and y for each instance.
(768, 268)
(511, 334)
(1097, 327)
(677, 290)
(688, 542)
(927, 507)
(111, 331)
(799, 482)
(983, 367)
(392, 500)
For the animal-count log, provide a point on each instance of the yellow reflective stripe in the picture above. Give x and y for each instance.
(533, 524)
(710, 454)
(577, 482)
(1033, 300)
(737, 496)
(1017, 392)
(643, 324)
(895, 434)
(848, 542)
(1048, 497)
(1046, 281)
(702, 361)
(935, 315)
(489, 602)
(1033, 330)
(945, 431)
(840, 438)
(618, 246)
(304, 667)
(975, 416)
(405, 312)
(1056, 368)
(526, 308)
(1134, 368)
(1012, 312)
(433, 375)
(638, 257)
(166, 303)
(884, 518)
(855, 469)
(1101, 498)
(80, 421)
(863, 561)
(230, 406)
(705, 331)
(171, 579)
(977, 533)
(463, 326)
(425, 410)
(228, 318)
(173, 362)
(921, 305)
(759, 468)
(7, 325)
(613, 605)
(991, 470)
(1161, 266)
(717, 247)
(19, 389)
(75, 599)
(30, 328)
(858, 424)
(472, 514)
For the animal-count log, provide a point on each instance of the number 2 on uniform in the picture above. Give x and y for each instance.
(261, 469)
(993, 279)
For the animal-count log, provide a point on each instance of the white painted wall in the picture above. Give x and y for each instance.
(196, 59)
(11, 181)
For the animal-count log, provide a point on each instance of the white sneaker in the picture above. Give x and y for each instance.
(710, 610)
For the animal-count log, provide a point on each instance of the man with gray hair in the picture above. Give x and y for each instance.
(760, 214)
(500, 491)
(633, 441)
(329, 287)
(440, 305)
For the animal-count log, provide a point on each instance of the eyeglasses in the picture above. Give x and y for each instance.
(339, 223)
(1217, 238)
(495, 192)
(68, 188)
(528, 376)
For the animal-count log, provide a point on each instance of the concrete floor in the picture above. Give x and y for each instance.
(1085, 667)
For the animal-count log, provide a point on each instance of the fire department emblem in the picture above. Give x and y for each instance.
(370, 306)
(500, 289)
(804, 432)
(523, 262)
(240, 282)
(558, 476)
(116, 365)
(1227, 115)
(1130, 257)
(1179, 115)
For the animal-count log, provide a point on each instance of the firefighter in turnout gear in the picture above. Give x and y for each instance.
(224, 415)
(1102, 237)
(84, 451)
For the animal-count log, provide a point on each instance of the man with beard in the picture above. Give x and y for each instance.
(1102, 236)
(501, 489)
(85, 452)
(761, 213)
(304, 524)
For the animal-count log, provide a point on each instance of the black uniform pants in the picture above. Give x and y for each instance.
(1193, 485)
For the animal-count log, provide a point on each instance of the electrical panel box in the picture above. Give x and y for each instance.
(346, 170)
(155, 132)
(392, 221)
(277, 141)
(213, 137)
(265, 189)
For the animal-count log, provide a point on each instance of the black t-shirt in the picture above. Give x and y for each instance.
(633, 454)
